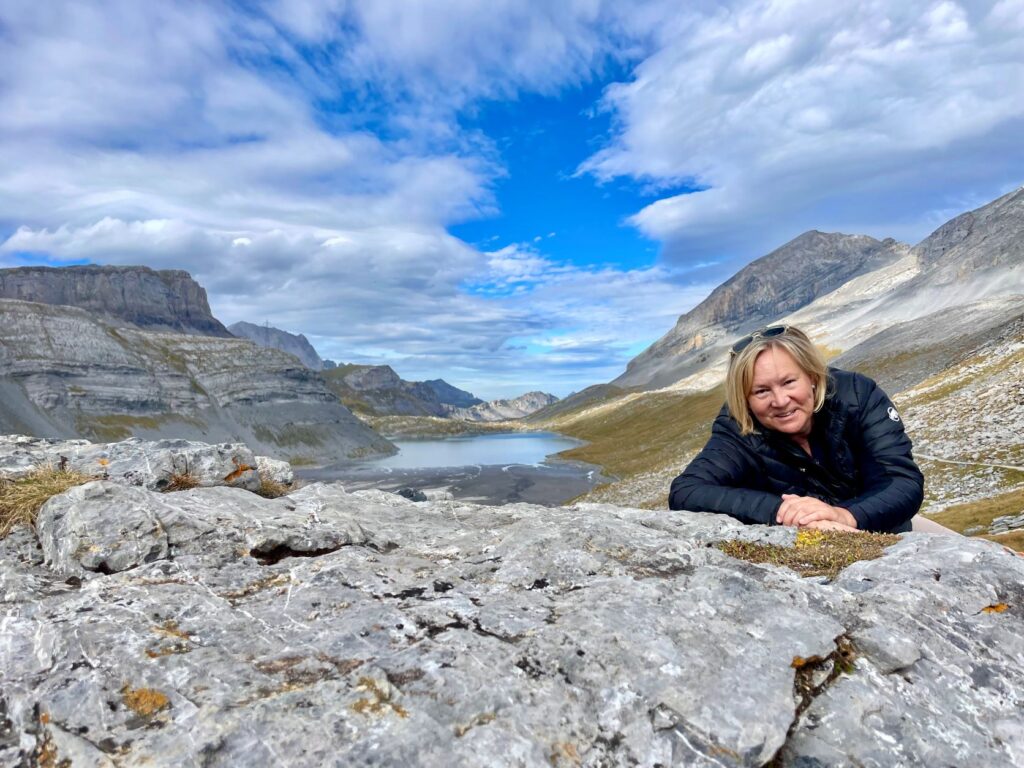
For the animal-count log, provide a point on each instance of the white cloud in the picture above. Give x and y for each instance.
(801, 114)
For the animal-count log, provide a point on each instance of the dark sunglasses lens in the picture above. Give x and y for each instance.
(767, 333)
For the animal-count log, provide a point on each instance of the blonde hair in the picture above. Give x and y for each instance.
(741, 371)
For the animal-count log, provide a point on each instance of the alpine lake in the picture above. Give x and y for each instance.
(491, 468)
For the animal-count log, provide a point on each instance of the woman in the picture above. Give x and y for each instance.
(798, 443)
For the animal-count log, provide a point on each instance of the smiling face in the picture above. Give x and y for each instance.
(781, 394)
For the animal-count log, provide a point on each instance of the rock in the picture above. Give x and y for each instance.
(159, 300)
(274, 338)
(274, 470)
(75, 535)
(412, 494)
(502, 410)
(150, 464)
(378, 389)
(334, 628)
(65, 373)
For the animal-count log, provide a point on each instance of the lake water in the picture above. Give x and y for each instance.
(500, 449)
(485, 469)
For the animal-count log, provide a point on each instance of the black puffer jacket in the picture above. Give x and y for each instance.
(862, 462)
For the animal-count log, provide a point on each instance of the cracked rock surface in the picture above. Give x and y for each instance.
(214, 627)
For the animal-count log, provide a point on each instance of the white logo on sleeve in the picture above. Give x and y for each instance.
(894, 414)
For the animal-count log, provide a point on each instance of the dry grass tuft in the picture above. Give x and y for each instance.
(181, 481)
(270, 488)
(815, 553)
(21, 498)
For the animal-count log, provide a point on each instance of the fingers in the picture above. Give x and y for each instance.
(795, 508)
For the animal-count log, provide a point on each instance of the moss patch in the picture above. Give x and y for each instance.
(815, 553)
(21, 499)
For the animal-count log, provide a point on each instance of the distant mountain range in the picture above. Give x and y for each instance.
(111, 352)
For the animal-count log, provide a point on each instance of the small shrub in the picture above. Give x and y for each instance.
(181, 481)
(21, 498)
(270, 488)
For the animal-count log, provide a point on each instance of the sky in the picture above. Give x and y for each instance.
(507, 194)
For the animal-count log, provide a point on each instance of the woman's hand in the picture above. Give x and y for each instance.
(804, 510)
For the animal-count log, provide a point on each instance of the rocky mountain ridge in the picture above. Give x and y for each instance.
(275, 338)
(377, 390)
(214, 627)
(505, 409)
(140, 297)
(64, 372)
(785, 280)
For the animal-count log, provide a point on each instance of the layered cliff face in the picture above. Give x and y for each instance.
(506, 409)
(214, 627)
(161, 300)
(378, 391)
(786, 279)
(275, 338)
(65, 372)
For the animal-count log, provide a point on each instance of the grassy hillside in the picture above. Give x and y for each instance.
(643, 439)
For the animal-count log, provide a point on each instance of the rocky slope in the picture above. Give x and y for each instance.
(788, 278)
(506, 409)
(160, 300)
(63, 372)
(213, 627)
(376, 390)
(275, 338)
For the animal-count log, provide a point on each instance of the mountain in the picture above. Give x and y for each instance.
(503, 410)
(66, 372)
(140, 297)
(788, 278)
(275, 338)
(377, 390)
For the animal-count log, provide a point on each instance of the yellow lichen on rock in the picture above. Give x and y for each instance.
(144, 701)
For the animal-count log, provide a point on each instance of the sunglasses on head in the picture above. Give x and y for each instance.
(764, 333)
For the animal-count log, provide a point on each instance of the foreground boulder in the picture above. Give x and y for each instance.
(215, 627)
(152, 464)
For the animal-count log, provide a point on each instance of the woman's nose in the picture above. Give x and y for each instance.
(779, 397)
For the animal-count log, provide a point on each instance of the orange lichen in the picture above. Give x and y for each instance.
(997, 608)
(240, 469)
(144, 701)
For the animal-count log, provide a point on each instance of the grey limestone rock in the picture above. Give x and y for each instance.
(76, 535)
(150, 464)
(274, 338)
(328, 628)
(503, 409)
(66, 373)
(275, 470)
(162, 300)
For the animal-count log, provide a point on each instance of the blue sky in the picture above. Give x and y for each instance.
(510, 195)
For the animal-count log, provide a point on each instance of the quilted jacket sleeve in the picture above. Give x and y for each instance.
(714, 482)
(893, 486)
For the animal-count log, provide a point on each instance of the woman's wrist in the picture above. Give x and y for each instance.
(845, 517)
